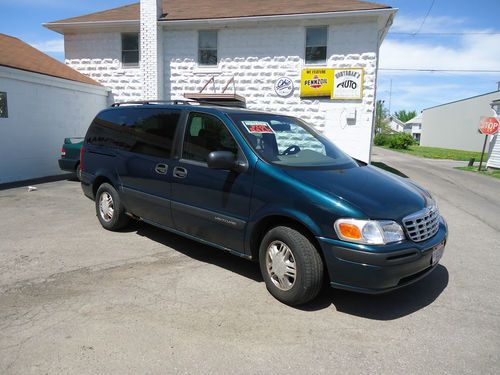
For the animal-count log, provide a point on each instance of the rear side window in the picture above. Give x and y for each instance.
(204, 134)
(148, 131)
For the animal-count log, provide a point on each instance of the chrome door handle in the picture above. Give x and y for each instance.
(161, 168)
(180, 172)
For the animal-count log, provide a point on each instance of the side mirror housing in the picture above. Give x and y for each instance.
(222, 160)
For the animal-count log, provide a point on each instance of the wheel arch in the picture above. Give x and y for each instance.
(264, 224)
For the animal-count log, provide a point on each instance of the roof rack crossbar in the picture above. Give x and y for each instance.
(145, 102)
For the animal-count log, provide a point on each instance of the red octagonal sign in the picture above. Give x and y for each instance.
(488, 125)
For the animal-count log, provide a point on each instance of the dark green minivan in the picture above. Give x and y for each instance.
(265, 187)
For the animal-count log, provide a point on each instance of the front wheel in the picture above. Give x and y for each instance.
(291, 266)
(109, 209)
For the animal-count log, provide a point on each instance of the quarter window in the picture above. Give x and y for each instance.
(130, 49)
(207, 47)
(205, 134)
(316, 45)
(3, 105)
(148, 131)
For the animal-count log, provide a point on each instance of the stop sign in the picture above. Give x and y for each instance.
(488, 125)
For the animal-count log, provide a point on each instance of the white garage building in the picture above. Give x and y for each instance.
(252, 51)
(42, 101)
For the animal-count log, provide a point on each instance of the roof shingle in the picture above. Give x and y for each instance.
(14, 53)
(213, 9)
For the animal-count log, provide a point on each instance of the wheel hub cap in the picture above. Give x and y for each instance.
(281, 265)
(106, 208)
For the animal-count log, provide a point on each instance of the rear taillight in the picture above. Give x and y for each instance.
(63, 152)
(82, 151)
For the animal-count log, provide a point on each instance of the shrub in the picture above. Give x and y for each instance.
(401, 141)
(381, 139)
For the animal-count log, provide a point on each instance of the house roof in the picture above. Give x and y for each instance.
(415, 120)
(14, 53)
(396, 120)
(214, 9)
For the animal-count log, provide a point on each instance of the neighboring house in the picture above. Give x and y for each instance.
(455, 125)
(395, 124)
(170, 49)
(42, 101)
(414, 127)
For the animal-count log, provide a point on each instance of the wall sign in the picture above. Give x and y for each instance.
(283, 86)
(316, 82)
(348, 83)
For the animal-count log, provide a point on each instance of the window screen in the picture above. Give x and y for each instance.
(207, 47)
(3, 105)
(130, 49)
(205, 134)
(316, 45)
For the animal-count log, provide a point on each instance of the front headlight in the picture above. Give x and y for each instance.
(370, 232)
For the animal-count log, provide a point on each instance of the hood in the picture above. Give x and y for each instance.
(376, 193)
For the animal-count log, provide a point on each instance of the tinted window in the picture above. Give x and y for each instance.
(316, 45)
(147, 131)
(205, 134)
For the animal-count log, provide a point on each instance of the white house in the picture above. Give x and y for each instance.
(455, 125)
(42, 101)
(395, 124)
(415, 127)
(172, 49)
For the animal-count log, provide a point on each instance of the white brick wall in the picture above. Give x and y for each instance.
(256, 57)
(98, 55)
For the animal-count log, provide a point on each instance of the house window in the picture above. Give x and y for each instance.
(130, 49)
(207, 47)
(316, 45)
(3, 105)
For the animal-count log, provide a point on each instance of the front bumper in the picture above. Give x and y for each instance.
(379, 269)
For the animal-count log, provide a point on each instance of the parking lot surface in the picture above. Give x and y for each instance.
(77, 299)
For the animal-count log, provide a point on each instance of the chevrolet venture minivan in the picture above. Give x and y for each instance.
(265, 187)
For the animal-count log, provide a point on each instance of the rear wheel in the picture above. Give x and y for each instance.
(78, 172)
(109, 209)
(291, 266)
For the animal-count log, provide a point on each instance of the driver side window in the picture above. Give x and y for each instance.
(204, 134)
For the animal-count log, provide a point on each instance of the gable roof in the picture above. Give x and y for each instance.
(14, 53)
(415, 120)
(215, 9)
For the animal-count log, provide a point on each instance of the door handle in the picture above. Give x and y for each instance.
(180, 172)
(161, 168)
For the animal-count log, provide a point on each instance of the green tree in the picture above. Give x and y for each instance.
(381, 114)
(405, 116)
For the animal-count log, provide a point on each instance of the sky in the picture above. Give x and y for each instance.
(426, 34)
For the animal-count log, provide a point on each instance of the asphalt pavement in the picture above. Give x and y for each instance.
(76, 299)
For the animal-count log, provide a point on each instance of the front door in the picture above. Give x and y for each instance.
(210, 204)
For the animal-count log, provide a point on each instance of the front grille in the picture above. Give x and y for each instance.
(422, 224)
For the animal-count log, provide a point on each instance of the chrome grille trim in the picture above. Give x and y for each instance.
(423, 224)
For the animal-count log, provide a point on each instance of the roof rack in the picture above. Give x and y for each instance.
(144, 102)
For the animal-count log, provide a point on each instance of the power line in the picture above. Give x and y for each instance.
(442, 70)
(451, 33)
(425, 18)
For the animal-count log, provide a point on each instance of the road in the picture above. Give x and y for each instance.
(76, 299)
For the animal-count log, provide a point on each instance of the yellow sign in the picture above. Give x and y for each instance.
(316, 82)
(348, 83)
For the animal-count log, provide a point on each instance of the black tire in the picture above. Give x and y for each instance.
(78, 172)
(308, 263)
(118, 219)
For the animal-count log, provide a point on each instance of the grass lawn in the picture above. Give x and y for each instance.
(441, 153)
(492, 173)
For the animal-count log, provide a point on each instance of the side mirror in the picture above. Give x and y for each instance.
(222, 160)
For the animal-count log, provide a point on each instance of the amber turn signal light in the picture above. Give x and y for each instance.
(349, 231)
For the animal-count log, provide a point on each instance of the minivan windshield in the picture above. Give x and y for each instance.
(288, 141)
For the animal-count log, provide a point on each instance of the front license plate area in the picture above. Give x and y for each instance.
(437, 253)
